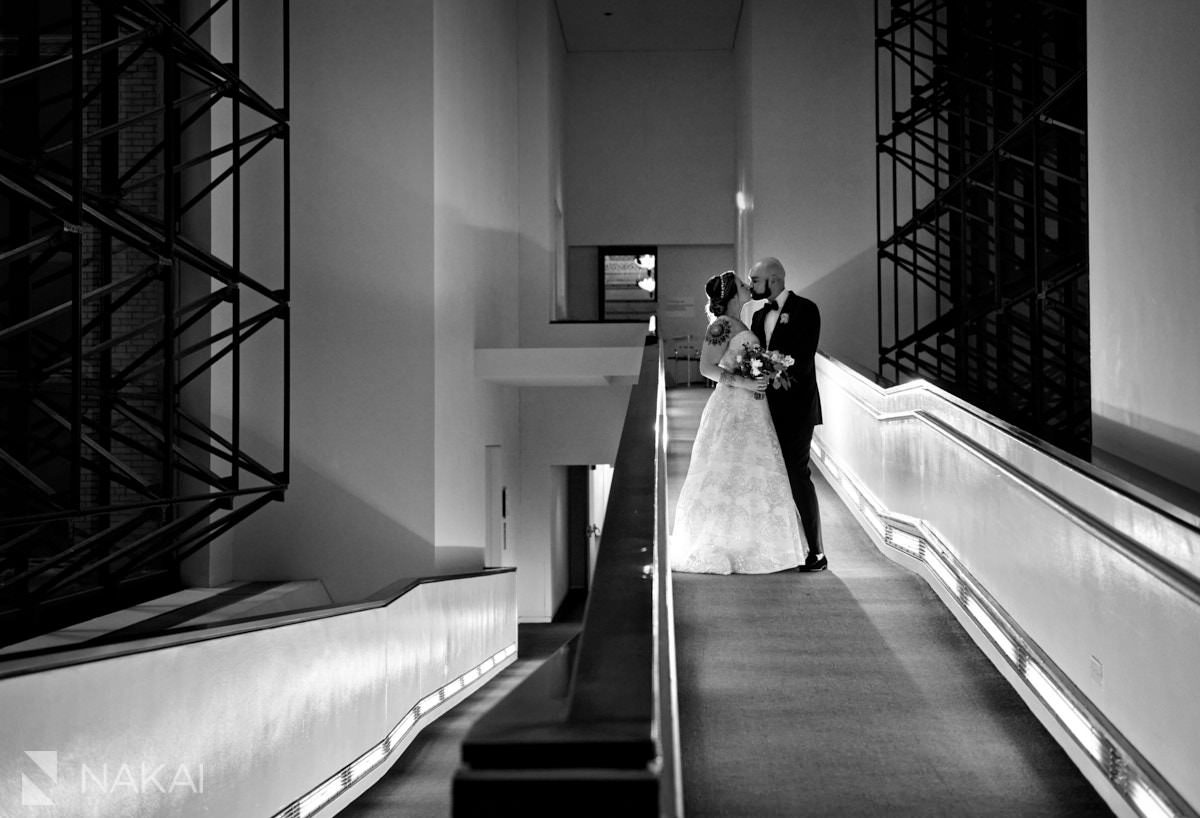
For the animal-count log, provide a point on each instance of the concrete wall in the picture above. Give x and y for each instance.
(806, 157)
(1144, 245)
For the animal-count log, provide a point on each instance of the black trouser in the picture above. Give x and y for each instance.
(795, 440)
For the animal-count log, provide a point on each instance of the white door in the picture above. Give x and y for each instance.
(598, 485)
(496, 543)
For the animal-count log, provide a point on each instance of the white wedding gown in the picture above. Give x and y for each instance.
(735, 512)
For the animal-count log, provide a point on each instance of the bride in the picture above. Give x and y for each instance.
(735, 512)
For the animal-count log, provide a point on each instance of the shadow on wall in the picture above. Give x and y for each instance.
(1162, 458)
(848, 300)
(280, 544)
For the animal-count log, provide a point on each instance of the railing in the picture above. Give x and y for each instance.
(291, 715)
(1082, 589)
(593, 730)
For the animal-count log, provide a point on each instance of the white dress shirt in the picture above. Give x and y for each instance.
(773, 316)
(749, 308)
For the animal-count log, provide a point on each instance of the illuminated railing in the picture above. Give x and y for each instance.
(1081, 589)
(398, 738)
(593, 730)
(291, 715)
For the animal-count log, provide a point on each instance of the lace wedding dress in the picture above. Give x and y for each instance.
(735, 512)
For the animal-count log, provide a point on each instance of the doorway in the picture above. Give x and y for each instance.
(495, 549)
(587, 499)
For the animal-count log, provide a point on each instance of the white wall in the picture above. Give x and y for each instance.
(360, 509)
(807, 157)
(560, 426)
(649, 148)
(681, 299)
(243, 721)
(474, 281)
(426, 167)
(1144, 233)
(406, 200)
(542, 71)
(744, 158)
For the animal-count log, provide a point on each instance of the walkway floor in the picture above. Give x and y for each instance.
(849, 692)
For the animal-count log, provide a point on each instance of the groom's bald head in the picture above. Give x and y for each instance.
(767, 277)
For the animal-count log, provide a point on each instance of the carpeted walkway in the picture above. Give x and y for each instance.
(848, 692)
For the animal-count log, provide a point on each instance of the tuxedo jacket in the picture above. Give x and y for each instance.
(796, 333)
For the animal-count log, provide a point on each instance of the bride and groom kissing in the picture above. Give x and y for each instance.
(747, 504)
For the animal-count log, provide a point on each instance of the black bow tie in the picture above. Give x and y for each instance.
(771, 304)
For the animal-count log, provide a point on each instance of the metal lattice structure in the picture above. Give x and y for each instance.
(982, 224)
(127, 304)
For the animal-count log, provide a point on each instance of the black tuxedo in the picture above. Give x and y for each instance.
(796, 411)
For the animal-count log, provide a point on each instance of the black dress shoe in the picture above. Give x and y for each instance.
(812, 563)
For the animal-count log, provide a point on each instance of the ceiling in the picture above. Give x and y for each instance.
(649, 25)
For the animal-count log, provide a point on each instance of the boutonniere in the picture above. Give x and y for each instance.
(783, 317)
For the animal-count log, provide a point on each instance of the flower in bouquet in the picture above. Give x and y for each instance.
(755, 362)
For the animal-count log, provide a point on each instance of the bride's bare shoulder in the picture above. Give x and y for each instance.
(721, 330)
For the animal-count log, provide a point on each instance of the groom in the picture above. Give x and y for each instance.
(792, 325)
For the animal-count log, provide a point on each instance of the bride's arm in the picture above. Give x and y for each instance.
(716, 341)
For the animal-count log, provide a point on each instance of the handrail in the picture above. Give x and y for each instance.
(1181, 580)
(37, 660)
(1112, 482)
(1169, 572)
(599, 715)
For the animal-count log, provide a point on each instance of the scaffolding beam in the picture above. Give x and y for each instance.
(981, 206)
(121, 168)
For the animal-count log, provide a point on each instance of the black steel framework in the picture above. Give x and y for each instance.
(981, 192)
(127, 307)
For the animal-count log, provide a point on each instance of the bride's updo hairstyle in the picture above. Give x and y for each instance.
(721, 289)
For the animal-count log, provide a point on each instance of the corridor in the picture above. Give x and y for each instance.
(852, 692)
(848, 692)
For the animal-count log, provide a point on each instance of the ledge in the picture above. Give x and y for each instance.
(559, 366)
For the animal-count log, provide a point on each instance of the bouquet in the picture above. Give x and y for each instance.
(755, 362)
